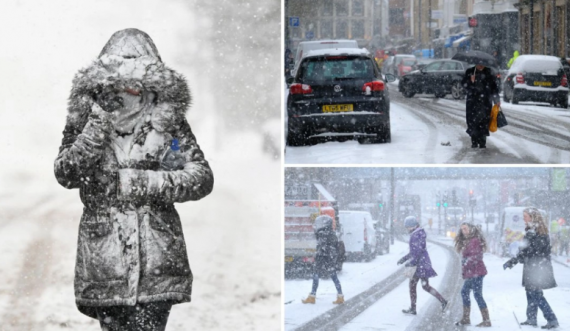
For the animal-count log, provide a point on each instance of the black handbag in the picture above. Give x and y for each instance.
(501, 119)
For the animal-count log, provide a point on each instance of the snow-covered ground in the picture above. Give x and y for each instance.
(502, 290)
(431, 130)
(232, 235)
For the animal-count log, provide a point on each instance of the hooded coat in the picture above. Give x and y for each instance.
(480, 97)
(537, 271)
(327, 251)
(130, 247)
(515, 55)
(472, 264)
(418, 255)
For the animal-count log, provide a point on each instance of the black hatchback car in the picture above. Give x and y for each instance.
(440, 77)
(338, 92)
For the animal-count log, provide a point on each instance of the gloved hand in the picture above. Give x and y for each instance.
(509, 264)
(96, 133)
(400, 261)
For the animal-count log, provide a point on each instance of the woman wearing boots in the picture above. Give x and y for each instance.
(537, 271)
(326, 257)
(471, 244)
(418, 257)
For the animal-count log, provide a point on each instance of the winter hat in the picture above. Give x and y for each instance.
(411, 222)
(323, 221)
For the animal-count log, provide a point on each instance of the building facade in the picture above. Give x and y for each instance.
(545, 27)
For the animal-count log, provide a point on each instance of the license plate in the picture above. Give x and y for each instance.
(337, 108)
(542, 84)
(288, 259)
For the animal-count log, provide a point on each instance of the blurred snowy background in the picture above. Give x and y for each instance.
(230, 53)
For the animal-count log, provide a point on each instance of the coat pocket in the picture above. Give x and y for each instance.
(165, 247)
(99, 251)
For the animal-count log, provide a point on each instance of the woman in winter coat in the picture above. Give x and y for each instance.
(418, 257)
(326, 257)
(481, 91)
(537, 271)
(129, 150)
(471, 244)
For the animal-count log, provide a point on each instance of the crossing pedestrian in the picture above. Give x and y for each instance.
(325, 258)
(126, 113)
(538, 274)
(419, 259)
(471, 244)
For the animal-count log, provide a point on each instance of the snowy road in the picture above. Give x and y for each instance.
(430, 130)
(503, 293)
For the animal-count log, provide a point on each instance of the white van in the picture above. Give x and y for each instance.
(358, 234)
(305, 46)
(512, 229)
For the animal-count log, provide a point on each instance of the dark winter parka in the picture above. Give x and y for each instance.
(327, 251)
(418, 255)
(124, 111)
(537, 271)
(480, 98)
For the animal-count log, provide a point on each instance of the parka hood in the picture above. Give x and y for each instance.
(130, 44)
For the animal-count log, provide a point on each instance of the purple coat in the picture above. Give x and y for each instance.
(472, 259)
(418, 255)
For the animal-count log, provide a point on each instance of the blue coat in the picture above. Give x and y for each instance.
(418, 255)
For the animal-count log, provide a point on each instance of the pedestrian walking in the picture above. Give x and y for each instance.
(471, 244)
(131, 153)
(537, 271)
(419, 259)
(512, 60)
(481, 92)
(325, 258)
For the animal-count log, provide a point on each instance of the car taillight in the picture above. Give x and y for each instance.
(520, 78)
(365, 236)
(564, 81)
(308, 259)
(373, 86)
(300, 89)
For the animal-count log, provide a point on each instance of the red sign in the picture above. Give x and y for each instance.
(472, 22)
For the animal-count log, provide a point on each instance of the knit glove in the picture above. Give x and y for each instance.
(96, 133)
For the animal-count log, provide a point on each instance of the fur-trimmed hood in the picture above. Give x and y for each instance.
(130, 60)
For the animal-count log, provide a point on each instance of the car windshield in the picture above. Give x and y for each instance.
(336, 68)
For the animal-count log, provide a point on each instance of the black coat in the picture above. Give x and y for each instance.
(480, 98)
(537, 270)
(327, 252)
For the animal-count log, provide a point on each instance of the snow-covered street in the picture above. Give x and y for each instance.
(502, 291)
(230, 235)
(428, 130)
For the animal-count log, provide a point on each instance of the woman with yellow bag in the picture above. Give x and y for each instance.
(482, 92)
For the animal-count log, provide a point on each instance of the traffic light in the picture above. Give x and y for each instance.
(438, 204)
(380, 205)
(445, 205)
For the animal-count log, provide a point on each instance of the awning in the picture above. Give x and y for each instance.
(449, 41)
(463, 41)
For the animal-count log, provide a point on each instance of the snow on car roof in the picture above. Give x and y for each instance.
(327, 41)
(337, 51)
(536, 63)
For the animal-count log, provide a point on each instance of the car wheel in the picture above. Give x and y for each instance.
(563, 103)
(407, 92)
(295, 137)
(457, 91)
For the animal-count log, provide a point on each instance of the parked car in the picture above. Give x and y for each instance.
(538, 78)
(397, 61)
(440, 77)
(358, 234)
(338, 91)
(421, 63)
(566, 65)
(405, 66)
(306, 46)
(387, 64)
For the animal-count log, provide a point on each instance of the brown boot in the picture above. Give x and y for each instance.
(486, 321)
(465, 319)
(309, 299)
(339, 299)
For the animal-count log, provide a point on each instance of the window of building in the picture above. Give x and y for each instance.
(357, 29)
(327, 8)
(341, 8)
(327, 29)
(341, 29)
(357, 8)
(396, 16)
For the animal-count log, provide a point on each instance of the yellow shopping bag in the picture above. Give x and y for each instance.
(493, 123)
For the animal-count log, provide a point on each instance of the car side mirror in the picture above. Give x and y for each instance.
(289, 80)
(390, 78)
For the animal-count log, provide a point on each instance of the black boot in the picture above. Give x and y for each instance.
(474, 142)
(411, 311)
(482, 142)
